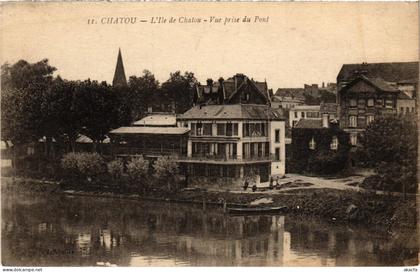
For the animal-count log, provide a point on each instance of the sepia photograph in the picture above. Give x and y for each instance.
(229, 134)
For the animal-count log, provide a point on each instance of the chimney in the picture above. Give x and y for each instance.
(325, 121)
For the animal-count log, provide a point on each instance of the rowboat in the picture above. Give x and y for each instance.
(256, 210)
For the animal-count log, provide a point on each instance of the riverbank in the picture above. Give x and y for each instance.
(329, 204)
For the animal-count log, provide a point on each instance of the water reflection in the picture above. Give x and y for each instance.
(66, 231)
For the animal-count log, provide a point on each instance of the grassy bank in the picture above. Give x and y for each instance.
(334, 205)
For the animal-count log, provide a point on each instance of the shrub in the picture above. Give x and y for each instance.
(137, 170)
(165, 169)
(327, 162)
(82, 165)
(116, 171)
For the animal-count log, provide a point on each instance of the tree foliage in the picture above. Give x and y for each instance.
(390, 145)
(180, 89)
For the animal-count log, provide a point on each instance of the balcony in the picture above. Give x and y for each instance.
(226, 159)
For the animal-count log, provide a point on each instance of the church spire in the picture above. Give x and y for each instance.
(119, 76)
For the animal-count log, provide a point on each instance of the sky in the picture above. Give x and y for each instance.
(299, 42)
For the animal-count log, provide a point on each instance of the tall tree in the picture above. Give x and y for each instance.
(180, 89)
(23, 96)
(142, 90)
(390, 143)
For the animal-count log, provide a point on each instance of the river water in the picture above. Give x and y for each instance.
(46, 230)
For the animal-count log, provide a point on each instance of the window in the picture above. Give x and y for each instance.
(407, 110)
(353, 139)
(207, 129)
(412, 109)
(353, 121)
(402, 110)
(334, 143)
(221, 129)
(229, 129)
(245, 130)
(312, 144)
(296, 114)
(235, 129)
(277, 135)
(193, 129)
(369, 119)
(302, 114)
(361, 103)
(370, 102)
(277, 154)
(353, 103)
(389, 104)
(312, 114)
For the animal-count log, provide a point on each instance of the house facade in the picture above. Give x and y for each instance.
(318, 146)
(152, 136)
(367, 91)
(234, 141)
(303, 112)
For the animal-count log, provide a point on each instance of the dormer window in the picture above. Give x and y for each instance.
(312, 144)
(334, 143)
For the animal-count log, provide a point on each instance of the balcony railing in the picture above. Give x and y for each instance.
(233, 158)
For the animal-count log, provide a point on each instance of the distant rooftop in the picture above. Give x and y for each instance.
(389, 71)
(309, 123)
(307, 107)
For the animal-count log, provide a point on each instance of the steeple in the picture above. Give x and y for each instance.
(119, 76)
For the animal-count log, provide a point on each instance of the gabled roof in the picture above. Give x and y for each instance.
(403, 96)
(232, 85)
(150, 130)
(309, 123)
(229, 112)
(389, 71)
(378, 83)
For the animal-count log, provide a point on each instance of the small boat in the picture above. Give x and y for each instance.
(256, 210)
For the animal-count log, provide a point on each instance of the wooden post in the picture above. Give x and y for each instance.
(224, 206)
(204, 204)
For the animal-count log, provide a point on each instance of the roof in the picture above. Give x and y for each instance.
(307, 107)
(236, 111)
(309, 123)
(389, 71)
(402, 95)
(83, 139)
(232, 85)
(329, 107)
(297, 93)
(151, 130)
(157, 120)
(119, 75)
(376, 82)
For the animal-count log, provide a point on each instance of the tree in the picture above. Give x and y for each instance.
(165, 169)
(390, 144)
(141, 93)
(23, 100)
(180, 89)
(98, 105)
